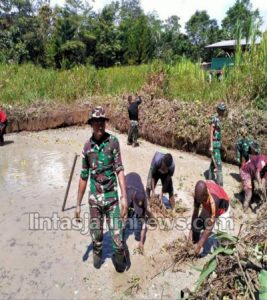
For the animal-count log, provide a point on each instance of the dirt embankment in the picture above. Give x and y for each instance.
(173, 124)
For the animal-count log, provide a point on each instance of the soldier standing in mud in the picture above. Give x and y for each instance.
(101, 160)
(243, 148)
(215, 145)
(3, 125)
(133, 116)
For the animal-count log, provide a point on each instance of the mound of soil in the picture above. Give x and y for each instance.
(173, 124)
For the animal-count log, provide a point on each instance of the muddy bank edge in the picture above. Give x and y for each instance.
(174, 124)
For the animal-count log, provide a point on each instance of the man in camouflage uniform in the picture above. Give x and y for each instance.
(243, 148)
(215, 145)
(101, 160)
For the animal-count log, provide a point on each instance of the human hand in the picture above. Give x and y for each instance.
(197, 249)
(161, 199)
(190, 236)
(77, 213)
(141, 248)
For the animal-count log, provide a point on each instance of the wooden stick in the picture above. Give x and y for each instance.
(70, 179)
(245, 277)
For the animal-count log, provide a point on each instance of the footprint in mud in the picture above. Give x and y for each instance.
(36, 272)
(29, 244)
(33, 283)
(12, 242)
(46, 265)
(3, 274)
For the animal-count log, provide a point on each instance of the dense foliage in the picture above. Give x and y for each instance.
(245, 83)
(121, 34)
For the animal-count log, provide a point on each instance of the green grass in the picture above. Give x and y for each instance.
(27, 83)
(245, 82)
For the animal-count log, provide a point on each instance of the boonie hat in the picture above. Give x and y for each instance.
(97, 113)
(221, 106)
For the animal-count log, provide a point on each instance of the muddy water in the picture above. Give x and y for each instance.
(57, 262)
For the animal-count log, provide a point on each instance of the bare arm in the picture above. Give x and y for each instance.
(143, 235)
(258, 177)
(194, 217)
(203, 239)
(211, 137)
(122, 183)
(153, 187)
(81, 190)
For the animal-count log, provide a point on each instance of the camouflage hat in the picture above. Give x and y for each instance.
(221, 106)
(97, 113)
(243, 131)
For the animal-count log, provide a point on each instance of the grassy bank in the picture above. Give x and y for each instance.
(245, 82)
(27, 83)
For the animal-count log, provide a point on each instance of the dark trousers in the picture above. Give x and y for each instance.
(166, 181)
(2, 131)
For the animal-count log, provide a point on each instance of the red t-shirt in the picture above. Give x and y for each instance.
(2, 117)
(218, 201)
(256, 162)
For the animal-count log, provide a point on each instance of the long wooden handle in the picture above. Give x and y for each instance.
(70, 179)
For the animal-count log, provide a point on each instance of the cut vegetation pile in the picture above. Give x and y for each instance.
(175, 124)
(181, 250)
(235, 270)
(159, 210)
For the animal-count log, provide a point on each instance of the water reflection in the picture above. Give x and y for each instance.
(26, 167)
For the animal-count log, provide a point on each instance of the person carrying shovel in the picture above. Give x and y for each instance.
(101, 160)
(215, 145)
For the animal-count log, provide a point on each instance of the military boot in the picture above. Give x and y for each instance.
(97, 256)
(119, 262)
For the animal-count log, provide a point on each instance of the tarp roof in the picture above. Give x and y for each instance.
(232, 43)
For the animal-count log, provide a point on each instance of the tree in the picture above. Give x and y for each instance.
(140, 43)
(130, 9)
(241, 17)
(18, 31)
(170, 39)
(72, 40)
(201, 31)
(108, 45)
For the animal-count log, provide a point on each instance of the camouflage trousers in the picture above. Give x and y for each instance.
(133, 132)
(111, 211)
(216, 163)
